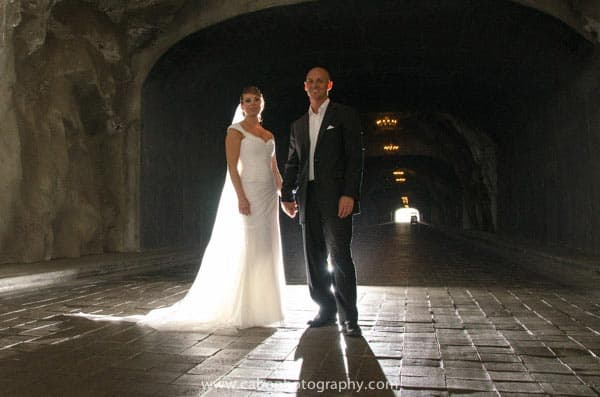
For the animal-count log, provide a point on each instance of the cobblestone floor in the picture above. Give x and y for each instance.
(439, 318)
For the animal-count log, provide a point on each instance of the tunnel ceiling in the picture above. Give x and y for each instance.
(473, 59)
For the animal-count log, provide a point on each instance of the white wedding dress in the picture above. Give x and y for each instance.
(240, 282)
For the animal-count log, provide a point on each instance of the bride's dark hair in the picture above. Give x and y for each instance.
(253, 90)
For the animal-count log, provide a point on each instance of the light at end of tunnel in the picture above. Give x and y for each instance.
(404, 215)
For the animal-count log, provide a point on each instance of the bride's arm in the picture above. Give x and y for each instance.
(233, 142)
(276, 173)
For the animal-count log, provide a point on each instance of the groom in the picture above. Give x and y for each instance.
(322, 180)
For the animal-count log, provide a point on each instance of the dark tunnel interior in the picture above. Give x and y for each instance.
(496, 113)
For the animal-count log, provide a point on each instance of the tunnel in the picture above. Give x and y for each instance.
(483, 116)
(481, 119)
(492, 109)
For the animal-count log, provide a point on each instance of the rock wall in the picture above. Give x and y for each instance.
(67, 65)
(10, 143)
(65, 133)
(71, 75)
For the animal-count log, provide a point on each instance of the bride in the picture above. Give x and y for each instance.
(241, 280)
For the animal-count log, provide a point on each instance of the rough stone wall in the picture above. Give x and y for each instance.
(10, 144)
(67, 61)
(70, 100)
(65, 131)
(481, 183)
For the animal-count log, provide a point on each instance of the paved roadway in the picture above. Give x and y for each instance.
(440, 318)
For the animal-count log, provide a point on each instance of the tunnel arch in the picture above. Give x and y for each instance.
(194, 17)
(402, 74)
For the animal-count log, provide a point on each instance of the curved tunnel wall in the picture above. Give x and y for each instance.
(549, 181)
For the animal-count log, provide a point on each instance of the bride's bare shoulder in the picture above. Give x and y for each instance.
(234, 132)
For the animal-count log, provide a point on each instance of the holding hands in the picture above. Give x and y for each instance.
(290, 208)
(345, 206)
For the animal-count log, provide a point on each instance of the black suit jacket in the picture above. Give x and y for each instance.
(338, 160)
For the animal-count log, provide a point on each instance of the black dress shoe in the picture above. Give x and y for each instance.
(351, 328)
(321, 322)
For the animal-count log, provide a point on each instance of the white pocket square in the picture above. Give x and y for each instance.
(330, 127)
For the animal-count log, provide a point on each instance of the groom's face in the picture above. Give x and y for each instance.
(317, 84)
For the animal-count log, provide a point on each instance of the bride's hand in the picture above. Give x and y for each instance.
(244, 206)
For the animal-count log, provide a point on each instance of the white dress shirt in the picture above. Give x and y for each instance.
(314, 125)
